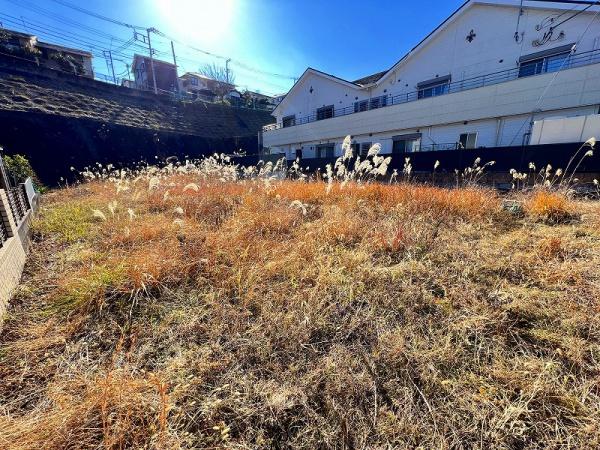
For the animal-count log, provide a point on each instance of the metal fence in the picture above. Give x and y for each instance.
(575, 60)
(18, 203)
(4, 235)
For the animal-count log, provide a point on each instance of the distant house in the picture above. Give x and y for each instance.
(257, 100)
(23, 47)
(128, 84)
(204, 87)
(17, 42)
(278, 99)
(235, 98)
(166, 74)
(67, 59)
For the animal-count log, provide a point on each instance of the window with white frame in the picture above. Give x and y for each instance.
(468, 140)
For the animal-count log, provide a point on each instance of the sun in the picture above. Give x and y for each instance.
(205, 21)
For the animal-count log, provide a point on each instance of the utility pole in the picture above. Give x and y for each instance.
(151, 60)
(109, 62)
(128, 72)
(175, 62)
(227, 70)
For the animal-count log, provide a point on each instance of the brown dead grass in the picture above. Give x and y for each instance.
(380, 316)
(551, 207)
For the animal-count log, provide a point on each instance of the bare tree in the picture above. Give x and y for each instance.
(224, 77)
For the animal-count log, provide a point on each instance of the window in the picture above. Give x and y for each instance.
(364, 149)
(551, 60)
(363, 105)
(326, 151)
(326, 112)
(468, 140)
(374, 103)
(543, 65)
(288, 121)
(407, 143)
(434, 87)
(529, 68)
(298, 153)
(194, 81)
(556, 62)
(434, 90)
(378, 102)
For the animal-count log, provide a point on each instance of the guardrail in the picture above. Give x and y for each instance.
(576, 60)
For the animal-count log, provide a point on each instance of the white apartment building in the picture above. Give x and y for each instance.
(480, 79)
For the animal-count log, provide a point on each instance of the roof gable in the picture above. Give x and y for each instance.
(314, 72)
(468, 4)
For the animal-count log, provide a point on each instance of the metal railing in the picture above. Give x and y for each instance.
(440, 147)
(3, 232)
(18, 202)
(572, 61)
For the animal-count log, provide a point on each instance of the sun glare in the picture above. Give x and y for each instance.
(203, 20)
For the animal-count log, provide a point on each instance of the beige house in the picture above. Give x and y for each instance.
(27, 47)
(204, 87)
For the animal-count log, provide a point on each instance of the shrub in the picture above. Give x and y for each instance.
(550, 207)
(19, 168)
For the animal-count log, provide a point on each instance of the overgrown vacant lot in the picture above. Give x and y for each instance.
(189, 311)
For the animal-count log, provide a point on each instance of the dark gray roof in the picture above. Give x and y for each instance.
(370, 78)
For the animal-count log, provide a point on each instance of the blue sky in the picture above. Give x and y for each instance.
(347, 38)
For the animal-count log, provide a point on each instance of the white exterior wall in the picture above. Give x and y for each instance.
(575, 92)
(494, 26)
(500, 114)
(325, 92)
(573, 129)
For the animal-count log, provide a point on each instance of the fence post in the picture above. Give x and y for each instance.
(6, 214)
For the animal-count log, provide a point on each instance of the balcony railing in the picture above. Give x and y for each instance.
(578, 60)
(439, 147)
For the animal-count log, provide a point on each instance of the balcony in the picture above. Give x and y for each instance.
(573, 61)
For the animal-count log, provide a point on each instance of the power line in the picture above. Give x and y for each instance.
(64, 38)
(234, 61)
(98, 16)
(66, 21)
(160, 33)
(98, 41)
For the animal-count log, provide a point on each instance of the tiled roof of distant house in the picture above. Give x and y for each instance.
(370, 78)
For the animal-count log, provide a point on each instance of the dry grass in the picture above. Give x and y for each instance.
(551, 207)
(251, 314)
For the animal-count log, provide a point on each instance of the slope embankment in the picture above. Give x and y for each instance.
(60, 121)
